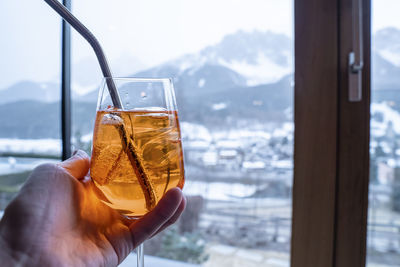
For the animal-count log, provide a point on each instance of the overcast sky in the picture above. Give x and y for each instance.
(152, 31)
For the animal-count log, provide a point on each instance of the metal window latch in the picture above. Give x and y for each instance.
(355, 68)
(355, 78)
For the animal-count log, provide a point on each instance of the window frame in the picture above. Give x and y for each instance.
(315, 154)
(331, 170)
(353, 150)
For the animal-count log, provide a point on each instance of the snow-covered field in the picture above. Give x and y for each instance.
(228, 192)
(37, 146)
(14, 165)
(218, 191)
(51, 147)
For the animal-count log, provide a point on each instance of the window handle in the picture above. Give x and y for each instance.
(355, 58)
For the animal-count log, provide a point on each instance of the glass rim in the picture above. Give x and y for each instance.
(167, 86)
(140, 79)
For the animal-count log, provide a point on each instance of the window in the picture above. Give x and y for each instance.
(384, 191)
(233, 73)
(237, 121)
(29, 92)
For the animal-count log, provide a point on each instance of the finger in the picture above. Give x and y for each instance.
(174, 218)
(77, 165)
(154, 220)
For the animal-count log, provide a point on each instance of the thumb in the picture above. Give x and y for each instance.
(77, 165)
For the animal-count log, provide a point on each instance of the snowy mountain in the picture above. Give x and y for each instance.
(386, 59)
(27, 90)
(199, 79)
(87, 75)
(191, 82)
(254, 58)
(240, 59)
(386, 43)
(260, 57)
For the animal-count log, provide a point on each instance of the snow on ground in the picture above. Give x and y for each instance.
(264, 71)
(390, 56)
(229, 144)
(282, 164)
(210, 158)
(219, 106)
(228, 256)
(14, 165)
(383, 116)
(242, 133)
(38, 146)
(197, 145)
(35, 146)
(151, 261)
(285, 131)
(201, 83)
(251, 165)
(192, 131)
(218, 191)
(87, 137)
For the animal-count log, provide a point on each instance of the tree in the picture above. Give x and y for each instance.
(187, 247)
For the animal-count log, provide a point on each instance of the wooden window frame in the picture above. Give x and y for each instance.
(331, 158)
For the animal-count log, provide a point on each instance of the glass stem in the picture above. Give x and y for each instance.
(140, 256)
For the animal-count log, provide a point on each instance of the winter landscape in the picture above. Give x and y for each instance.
(235, 103)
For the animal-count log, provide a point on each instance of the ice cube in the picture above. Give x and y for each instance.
(111, 119)
(104, 161)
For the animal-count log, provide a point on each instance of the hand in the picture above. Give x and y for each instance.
(57, 220)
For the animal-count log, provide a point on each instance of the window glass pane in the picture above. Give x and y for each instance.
(29, 91)
(232, 64)
(384, 191)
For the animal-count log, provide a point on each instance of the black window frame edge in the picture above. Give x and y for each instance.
(66, 86)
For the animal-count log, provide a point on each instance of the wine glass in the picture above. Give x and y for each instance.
(137, 152)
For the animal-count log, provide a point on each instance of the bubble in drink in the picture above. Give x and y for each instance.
(137, 156)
